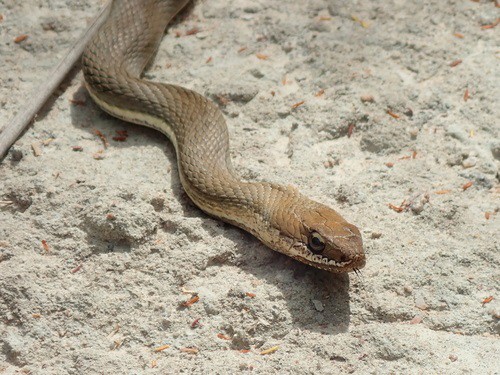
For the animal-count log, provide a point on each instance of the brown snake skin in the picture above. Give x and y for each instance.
(280, 216)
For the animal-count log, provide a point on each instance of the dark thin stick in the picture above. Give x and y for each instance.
(11, 131)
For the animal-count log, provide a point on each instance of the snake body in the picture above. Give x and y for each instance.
(280, 216)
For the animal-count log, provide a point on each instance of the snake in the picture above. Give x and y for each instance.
(280, 216)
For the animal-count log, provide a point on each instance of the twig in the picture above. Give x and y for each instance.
(12, 130)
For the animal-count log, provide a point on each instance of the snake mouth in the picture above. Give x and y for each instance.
(333, 266)
(302, 254)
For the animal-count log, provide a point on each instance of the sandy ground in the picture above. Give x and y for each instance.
(99, 248)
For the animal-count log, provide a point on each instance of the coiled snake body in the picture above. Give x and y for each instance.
(280, 216)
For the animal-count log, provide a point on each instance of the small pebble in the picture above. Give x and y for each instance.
(329, 163)
(318, 305)
(453, 357)
(256, 73)
(420, 303)
(416, 320)
(413, 131)
(16, 154)
(417, 208)
(367, 99)
(201, 35)
(158, 203)
(376, 235)
(469, 162)
(408, 289)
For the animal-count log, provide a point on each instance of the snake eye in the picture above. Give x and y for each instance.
(316, 243)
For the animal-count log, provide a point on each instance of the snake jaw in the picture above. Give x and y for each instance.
(300, 252)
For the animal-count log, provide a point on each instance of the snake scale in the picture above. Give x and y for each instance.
(279, 216)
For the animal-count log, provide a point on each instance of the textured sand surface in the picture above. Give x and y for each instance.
(100, 247)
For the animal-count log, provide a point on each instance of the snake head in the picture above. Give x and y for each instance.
(325, 239)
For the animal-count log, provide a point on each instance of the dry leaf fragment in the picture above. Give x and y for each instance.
(270, 350)
(191, 302)
(459, 35)
(189, 350)
(455, 63)
(117, 344)
(403, 206)
(77, 268)
(45, 246)
(441, 192)
(102, 137)
(37, 150)
(20, 38)
(466, 95)
(487, 300)
(296, 105)
(396, 208)
(161, 348)
(223, 337)
(196, 323)
(392, 114)
(467, 185)
(99, 155)
(48, 141)
(261, 56)
(193, 31)
(361, 22)
(319, 93)
(492, 25)
(350, 130)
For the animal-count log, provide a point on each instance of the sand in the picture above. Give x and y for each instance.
(100, 248)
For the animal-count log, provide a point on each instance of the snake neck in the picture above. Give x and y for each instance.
(261, 208)
(112, 65)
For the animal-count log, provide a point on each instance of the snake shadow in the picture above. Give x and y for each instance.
(315, 300)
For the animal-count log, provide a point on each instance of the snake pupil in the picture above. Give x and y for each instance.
(316, 243)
